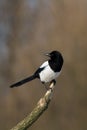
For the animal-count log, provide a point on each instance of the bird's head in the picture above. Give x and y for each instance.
(55, 56)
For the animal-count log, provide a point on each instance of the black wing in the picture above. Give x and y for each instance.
(38, 72)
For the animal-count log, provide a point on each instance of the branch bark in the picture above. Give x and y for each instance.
(41, 106)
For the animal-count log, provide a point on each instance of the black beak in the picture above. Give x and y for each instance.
(47, 54)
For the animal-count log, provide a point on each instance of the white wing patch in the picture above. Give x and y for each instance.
(44, 64)
(47, 74)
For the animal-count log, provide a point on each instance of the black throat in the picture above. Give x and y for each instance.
(56, 64)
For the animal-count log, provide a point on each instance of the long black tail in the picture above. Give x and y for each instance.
(23, 81)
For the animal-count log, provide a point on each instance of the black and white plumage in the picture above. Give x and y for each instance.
(48, 71)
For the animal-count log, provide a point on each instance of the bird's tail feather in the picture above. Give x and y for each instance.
(23, 81)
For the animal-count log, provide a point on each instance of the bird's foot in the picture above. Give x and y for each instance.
(49, 87)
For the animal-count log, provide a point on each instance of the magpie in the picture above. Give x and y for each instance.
(47, 72)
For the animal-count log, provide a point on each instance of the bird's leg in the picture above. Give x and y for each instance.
(47, 87)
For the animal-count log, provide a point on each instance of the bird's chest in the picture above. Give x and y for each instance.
(48, 74)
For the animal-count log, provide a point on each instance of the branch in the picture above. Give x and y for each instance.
(41, 106)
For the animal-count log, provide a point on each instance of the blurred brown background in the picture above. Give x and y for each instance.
(28, 29)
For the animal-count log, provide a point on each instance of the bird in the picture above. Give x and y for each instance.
(47, 72)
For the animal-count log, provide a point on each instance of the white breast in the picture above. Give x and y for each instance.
(47, 74)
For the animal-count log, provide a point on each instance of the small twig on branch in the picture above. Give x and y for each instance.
(41, 106)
